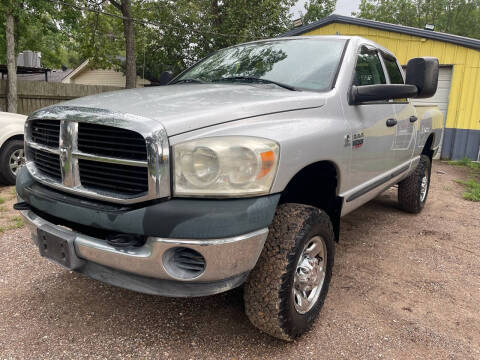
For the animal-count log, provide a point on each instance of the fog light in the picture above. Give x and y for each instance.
(183, 263)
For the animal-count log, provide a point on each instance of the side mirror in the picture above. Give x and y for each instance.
(423, 73)
(380, 92)
(165, 77)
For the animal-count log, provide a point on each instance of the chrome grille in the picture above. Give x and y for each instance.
(93, 159)
(128, 180)
(111, 141)
(47, 163)
(45, 132)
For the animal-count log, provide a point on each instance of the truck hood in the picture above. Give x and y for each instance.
(186, 107)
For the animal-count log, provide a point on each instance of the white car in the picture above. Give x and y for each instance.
(11, 146)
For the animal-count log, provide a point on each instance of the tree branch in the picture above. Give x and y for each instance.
(116, 4)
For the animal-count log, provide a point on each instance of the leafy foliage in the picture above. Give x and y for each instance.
(460, 17)
(318, 9)
(169, 35)
(190, 30)
(91, 33)
(37, 28)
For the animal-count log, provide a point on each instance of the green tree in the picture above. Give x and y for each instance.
(167, 35)
(38, 28)
(460, 17)
(318, 9)
(28, 24)
(188, 30)
(103, 32)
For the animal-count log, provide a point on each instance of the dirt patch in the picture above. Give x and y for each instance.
(404, 287)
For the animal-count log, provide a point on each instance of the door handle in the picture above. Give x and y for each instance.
(413, 118)
(391, 122)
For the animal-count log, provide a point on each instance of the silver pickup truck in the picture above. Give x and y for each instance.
(235, 173)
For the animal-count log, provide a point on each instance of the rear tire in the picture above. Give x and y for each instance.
(413, 191)
(9, 165)
(286, 290)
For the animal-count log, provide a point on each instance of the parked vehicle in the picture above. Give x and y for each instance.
(237, 172)
(11, 146)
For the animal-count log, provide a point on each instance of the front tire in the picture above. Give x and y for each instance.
(11, 159)
(413, 191)
(286, 290)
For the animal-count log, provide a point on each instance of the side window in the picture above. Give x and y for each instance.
(393, 71)
(368, 70)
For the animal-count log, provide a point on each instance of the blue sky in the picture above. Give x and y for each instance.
(344, 7)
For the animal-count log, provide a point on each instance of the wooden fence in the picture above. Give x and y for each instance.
(33, 95)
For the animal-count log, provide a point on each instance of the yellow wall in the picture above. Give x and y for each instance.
(464, 102)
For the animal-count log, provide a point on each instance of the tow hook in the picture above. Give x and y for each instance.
(21, 206)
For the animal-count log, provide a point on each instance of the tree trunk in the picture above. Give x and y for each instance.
(128, 31)
(11, 65)
(131, 63)
(215, 13)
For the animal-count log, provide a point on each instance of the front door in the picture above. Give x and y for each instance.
(370, 139)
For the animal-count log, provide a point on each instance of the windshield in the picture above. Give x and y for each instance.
(300, 63)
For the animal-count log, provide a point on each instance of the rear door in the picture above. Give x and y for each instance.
(441, 97)
(370, 138)
(405, 134)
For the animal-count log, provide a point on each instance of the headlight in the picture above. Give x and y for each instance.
(225, 166)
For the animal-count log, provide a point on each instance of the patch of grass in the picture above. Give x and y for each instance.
(472, 185)
(475, 166)
(2, 200)
(473, 189)
(16, 222)
(6, 228)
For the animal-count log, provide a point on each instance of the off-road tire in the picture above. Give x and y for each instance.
(409, 189)
(6, 176)
(268, 291)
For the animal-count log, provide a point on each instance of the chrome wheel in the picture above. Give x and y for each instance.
(17, 159)
(424, 187)
(309, 274)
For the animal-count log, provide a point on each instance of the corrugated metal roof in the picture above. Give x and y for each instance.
(455, 39)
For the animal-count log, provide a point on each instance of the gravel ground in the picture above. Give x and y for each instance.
(403, 287)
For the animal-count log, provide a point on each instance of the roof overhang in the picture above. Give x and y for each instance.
(76, 71)
(428, 34)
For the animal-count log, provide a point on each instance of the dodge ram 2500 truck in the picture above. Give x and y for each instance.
(235, 173)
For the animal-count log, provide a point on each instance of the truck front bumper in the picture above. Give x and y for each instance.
(151, 268)
(191, 247)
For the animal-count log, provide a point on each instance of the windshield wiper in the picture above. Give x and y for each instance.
(189, 81)
(257, 80)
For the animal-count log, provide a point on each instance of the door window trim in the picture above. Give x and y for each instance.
(352, 78)
(391, 57)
